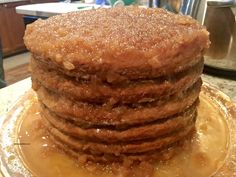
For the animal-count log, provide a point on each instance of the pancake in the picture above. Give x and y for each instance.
(121, 148)
(118, 116)
(95, 44)
(137, 92)
(119, 83)
(130, 134)
(160, 154)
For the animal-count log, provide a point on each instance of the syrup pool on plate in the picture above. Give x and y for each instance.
(199, 158)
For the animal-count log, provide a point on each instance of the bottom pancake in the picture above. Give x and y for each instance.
(121, 148)
(146, 131)
(157, 155)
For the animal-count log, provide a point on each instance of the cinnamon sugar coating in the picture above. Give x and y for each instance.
(117, 41)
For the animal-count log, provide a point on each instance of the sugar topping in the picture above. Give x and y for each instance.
(115, 35)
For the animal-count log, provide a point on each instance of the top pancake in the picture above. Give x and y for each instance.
(123, 42)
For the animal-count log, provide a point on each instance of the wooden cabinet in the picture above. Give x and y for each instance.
(11, 28)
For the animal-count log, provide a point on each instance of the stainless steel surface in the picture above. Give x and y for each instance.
(220, 22)
(219, 19)
(224, 3)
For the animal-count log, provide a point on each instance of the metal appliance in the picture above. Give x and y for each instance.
(219, 18)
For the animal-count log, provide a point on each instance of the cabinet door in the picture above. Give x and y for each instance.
(11, 29)
(4, 35)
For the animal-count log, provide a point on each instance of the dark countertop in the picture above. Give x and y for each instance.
(225, 85)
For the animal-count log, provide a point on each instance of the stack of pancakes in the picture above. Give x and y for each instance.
(117, 84)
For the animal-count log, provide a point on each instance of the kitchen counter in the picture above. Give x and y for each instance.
(9, 95)
(225, 85)
(50, 9)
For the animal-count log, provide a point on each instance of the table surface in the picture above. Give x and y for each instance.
(9, 95)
